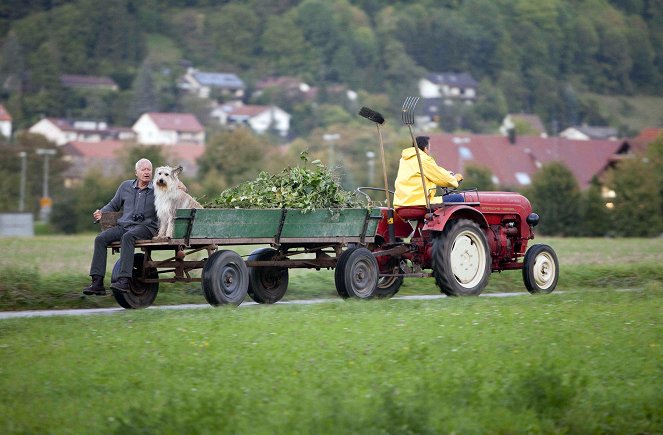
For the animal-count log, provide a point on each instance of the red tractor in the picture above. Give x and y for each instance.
(461, 242)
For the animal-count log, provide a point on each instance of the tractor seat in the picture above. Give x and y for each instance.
(411, 212)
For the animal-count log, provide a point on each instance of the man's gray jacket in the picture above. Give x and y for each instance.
(137, 205)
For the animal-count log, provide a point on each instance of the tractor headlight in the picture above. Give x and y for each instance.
(532, 219)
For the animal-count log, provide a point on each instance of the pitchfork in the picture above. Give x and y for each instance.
(408, 119)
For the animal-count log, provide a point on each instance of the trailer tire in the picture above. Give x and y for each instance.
(267, 285)
(356, 274)
(225, 278)
(140, 295)
(540, 269)
(461, 259)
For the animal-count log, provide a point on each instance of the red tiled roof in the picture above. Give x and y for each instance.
(176, 121)
(646, 136)
(584, 159)
(4, 115)
(248, 110)
(105, 149)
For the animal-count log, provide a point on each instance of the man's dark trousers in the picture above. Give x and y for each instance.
(128, 237)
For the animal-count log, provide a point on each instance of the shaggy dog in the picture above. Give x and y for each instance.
(168, 197)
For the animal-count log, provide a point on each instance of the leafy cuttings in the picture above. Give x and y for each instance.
(301, 188)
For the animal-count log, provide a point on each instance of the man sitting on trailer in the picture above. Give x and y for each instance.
(138, 221)
(409, 188)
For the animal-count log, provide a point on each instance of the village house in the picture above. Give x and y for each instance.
(514, 160)
(105, 159)
(288, 87)
(586, 132)
(88, 82)
(530, 123)
(260, 119)
(60, 131)
(5, 122)
(205, 84)
(169, 129)
(449, 87)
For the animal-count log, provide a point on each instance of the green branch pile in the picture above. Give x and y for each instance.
(300, 188)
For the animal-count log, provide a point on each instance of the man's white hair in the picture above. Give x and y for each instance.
(142, 161)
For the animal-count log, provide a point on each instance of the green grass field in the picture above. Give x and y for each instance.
(571, 362)
(50, 272)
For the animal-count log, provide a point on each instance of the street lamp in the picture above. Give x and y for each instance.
(45, 202)
(370, 155)
(330, 138)
(21, 198)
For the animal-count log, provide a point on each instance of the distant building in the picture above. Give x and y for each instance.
(204, 83)
(5, 122)
(169, 129)
(88, 82)
(586, 132)
(260, 119)
(513, 163)
(449, 86)
(532, 124)
(104, 158)
(60, 131)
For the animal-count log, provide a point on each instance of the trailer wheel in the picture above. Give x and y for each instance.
(225, 278)
(267, 284)
(461, 260)
(540, 269)
(356, 274)
(141, 294)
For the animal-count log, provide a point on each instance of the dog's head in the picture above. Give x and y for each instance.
(166, 177)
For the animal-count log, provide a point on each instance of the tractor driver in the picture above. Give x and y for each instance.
(409, 189)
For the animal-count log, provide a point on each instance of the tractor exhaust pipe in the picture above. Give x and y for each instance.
(378, 119)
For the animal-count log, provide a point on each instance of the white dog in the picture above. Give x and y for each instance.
(168, 197)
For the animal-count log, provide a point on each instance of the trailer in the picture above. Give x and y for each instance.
(319, 239)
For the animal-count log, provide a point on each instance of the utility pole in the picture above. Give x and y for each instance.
(21, 199)
(45, 202)
(330, 139)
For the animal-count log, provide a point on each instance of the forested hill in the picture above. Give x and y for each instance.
(529, 55)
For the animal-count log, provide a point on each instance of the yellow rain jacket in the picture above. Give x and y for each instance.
(409, 190)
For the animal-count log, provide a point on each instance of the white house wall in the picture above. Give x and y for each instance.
(6, 128)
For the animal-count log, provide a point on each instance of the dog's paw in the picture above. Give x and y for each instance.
(160, 239)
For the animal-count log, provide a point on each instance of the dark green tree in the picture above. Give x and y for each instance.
(596, 216)
(555, 195)
(477, 177)
(144, 93)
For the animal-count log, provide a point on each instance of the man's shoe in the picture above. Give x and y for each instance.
(123, 284)
(96, 287)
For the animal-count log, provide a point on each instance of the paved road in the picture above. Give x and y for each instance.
(93, 311)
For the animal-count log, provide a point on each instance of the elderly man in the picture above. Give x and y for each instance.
(139, 221)
(409, 190)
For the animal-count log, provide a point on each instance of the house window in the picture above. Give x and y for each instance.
(523, 178)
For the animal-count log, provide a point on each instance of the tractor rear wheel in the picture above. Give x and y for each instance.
(461, 259)
(540, 269)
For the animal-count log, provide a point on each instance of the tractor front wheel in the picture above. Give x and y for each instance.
(540, 269)
(461, 259)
